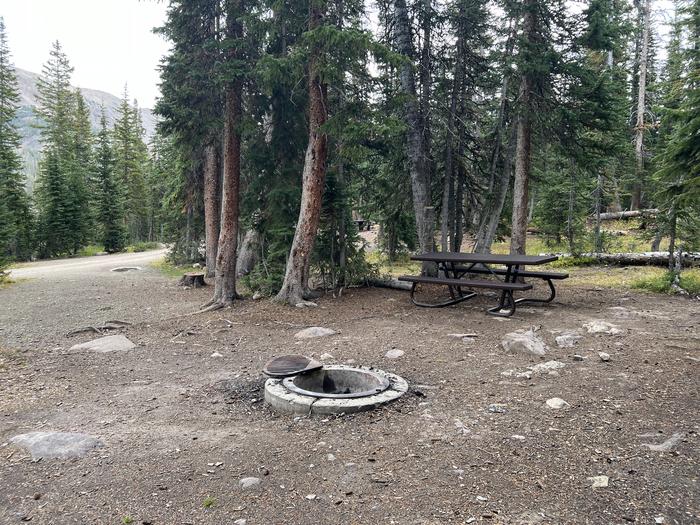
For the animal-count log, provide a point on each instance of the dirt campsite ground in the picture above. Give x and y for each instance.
(179, 428)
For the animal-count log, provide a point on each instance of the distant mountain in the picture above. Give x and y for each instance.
(26, 118)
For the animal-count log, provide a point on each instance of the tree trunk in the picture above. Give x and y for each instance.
(598, 205)
(295, 287)
(212, 213)
(249, 253)
(496, 198)
(523, 148)
(672, 231)
(416, 146)
(225, 275)
(636, 201)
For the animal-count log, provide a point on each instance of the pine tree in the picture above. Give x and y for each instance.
(52, 198)
(131, 164)
(16, 222)
(110, 200)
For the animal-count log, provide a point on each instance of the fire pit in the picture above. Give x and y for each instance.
(331, 389)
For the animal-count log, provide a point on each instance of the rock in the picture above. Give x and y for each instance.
(481, 498)
(568, 340)
(306, 304)
(216, 354)
(326, 357)
(249, 483)
(59, 445)
(599, 482)
(604, 356)
(310, 497)
(517, 374)
(257, 295)
(240, 521)
(659, 520)
(529, 517)
(667, 445)
(330, 457)
(597, 326)
(498, 408)
(110, 343)
(578, 357)
(394, 354)
(525, 342)
(557, 403)
(547, 368)
(518, 437)
(314, 331)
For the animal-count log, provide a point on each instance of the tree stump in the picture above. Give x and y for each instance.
(194, 280)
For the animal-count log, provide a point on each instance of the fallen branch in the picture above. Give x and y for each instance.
(389, 282)
(609, 216)
(109, 325)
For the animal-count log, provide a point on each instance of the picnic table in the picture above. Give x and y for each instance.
(454, 266)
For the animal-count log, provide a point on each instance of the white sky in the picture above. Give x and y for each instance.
(108, 42)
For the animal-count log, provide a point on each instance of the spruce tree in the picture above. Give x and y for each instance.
(52, 198)
(78, 212)
(16, 222)
(109, 197)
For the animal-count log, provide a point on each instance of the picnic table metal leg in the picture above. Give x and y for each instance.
(552, 295)
(456, 300)
(506, 298)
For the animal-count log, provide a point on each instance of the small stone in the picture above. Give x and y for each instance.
(257, 295)
(216, 354)
(470, 520)
(597, 326)
(518, 437)
(249, 483)
(578, 357)
(547, 368)
(557, 403)
(599, 482)
(604, 356)
(306, 304)
(667, 445)
(111, 343)
(568, 340)
(524, 342)
(498, 408)
(313, 332)
(517, 374)
(330, 457)
(659, 520)
(481, 498)
(394, 354)
(310, 497)
(326, 357)
(240, 521)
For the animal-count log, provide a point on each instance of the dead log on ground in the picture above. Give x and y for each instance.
(639, 259)
(609, 216)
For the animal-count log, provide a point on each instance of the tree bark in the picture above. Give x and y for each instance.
(636, 201)
(523, 148)
(249, 253)
(295, 288)
(212, 213)
(225, 275)
(416, 145)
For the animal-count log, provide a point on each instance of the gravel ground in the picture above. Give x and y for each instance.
(466, 445)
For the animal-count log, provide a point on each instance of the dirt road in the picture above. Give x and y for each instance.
(81, 265)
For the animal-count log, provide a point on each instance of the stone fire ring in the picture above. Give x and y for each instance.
(284, 400)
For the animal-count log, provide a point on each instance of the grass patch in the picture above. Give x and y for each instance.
(169, 269)
(573, 262)
(142, 247)
(208, 502)
(661, 283)
(126, 520)
(90, 250)
(403, 265)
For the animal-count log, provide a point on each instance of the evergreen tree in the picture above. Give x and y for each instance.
(131, 165)
(16, 222)
(109, 197)
(52, 197)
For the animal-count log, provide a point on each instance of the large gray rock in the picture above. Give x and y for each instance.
(314, 331)
(111, 343)
(568, 340)
(249, 483)
(61, 445)
(527, 342)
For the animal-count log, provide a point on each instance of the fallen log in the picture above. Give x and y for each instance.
(637, 259)
(608, 216)
(389, 282)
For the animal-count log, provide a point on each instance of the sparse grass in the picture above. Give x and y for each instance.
(90, 250)
(142, 247)
(126, 520)
(169, 269)
(573, 262)
(209, 502)
(401, 266)
(661, 283)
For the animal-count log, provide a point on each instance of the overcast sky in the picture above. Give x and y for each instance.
(108, 42)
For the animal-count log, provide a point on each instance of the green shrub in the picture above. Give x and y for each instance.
(142, 246)
(689, 281)
(570, 262)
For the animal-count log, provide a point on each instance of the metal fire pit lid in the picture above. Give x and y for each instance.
(290, 365)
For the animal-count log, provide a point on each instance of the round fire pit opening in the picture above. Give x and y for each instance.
(334, 389)
(337, 383)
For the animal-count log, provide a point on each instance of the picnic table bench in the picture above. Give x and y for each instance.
(454, 266)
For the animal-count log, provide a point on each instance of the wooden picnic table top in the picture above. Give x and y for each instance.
(485, 258)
